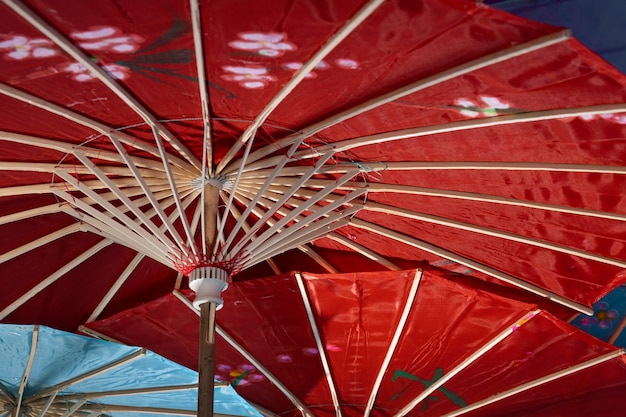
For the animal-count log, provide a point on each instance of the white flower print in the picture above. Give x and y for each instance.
(490, 106)
(270, 44)
(82, 74)
(346, 63)
(615, 118)
(21, 47)
(107, 38)
(252, 77)
(294, 66)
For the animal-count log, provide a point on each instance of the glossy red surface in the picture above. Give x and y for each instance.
(511, 215)
(356, 316)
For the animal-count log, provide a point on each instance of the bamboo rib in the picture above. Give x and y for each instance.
(408, 304)
(53, 277)
(485, 61)
(102, 154)
(387, 209)
(320, 344)
(66, 45)
(102, 129)
(422, 245)
(254, 361)
(332, 42)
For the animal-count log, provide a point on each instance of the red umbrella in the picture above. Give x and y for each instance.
(385, 344)
(229, 140)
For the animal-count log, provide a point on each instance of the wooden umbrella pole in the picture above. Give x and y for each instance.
(206, 365)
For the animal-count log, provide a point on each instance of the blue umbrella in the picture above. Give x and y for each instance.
(44, 371)
(608, 320)
(597, 24)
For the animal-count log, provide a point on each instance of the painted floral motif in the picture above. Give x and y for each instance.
(438, 374)
(242, 375)
(490, 106)
(20, 47)
(346, 63)
(616, 118)
(82, 74)
(295, 66)
(603, 317)
(270, 44)
(102, 38)
(608, 317)
(252, 77)
(107, 38)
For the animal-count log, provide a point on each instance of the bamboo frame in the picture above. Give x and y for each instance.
(70, 148)
(363, 251)
(29, 366)
(110, 227)
(377, 187)
(74, 408)
(330, 224)
(37, 243)
(361, 224)
(155, 205)
(319, 259)
(473, 65)
(196, 26)
(271, 235)
(115, 287)
(130, 204)
(306, 249)
(229, 203)
(53, 278)
(412, 133)
(272, 264)
(460, 195)
(299, 75)
(537, 382)
(305, 176)
(173, 187)
(320, 345)
(250, 358)
(308, 221)
(132, 231)
(68, 47)
(253, 258)
(47, 405)
(468, 361)
(90, 374)
(101, 128)
(382, 208)
(394, 341)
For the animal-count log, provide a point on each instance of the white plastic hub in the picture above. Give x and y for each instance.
(208, 283)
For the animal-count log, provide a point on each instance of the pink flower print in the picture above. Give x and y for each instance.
(21, 47)
(490, 106)
(106, 38)
(615, 118)
(346, 63)
(82, 74)
(252, 77)
(295, 66)
(269, 44)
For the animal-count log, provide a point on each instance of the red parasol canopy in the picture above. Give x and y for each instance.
(143, 142)
(385, 344)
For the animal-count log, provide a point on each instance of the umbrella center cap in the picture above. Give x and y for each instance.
(208, 282)
(220, 182)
